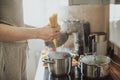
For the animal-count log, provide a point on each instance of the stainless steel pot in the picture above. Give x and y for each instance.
(59, 63)
(95, 66)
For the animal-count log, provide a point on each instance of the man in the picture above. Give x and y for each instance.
(13, 36)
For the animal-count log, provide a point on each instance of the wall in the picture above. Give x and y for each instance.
(34, 15)
(97, 15)
(115, 27)
(106, 17)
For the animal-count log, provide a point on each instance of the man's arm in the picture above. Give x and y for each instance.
(10, 33)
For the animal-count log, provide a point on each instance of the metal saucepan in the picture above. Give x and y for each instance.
(95, 66)
(59, 63)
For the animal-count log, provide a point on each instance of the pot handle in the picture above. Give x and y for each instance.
(48, 61)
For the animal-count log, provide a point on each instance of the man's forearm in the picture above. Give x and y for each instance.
(10, 33)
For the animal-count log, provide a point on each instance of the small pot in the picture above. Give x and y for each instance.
(95, 66)
(59, 63)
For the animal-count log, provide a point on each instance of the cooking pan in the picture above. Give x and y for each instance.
(95, 66)
(61, 40)
(59, 63)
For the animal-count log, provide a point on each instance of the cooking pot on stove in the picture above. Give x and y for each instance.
(95, 66)
(59, 63)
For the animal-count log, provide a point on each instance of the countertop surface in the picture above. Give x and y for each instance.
(115, 68)
(114, 73)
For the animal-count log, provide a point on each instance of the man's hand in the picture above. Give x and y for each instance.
(12, 33)
(47, 33)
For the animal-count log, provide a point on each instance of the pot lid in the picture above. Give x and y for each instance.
(61, 40)
(59, 55)
(95, 60)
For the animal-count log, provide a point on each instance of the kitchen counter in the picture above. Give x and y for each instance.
(114, 68)
(114, 73)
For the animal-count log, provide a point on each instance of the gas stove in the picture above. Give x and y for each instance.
(72, 76)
